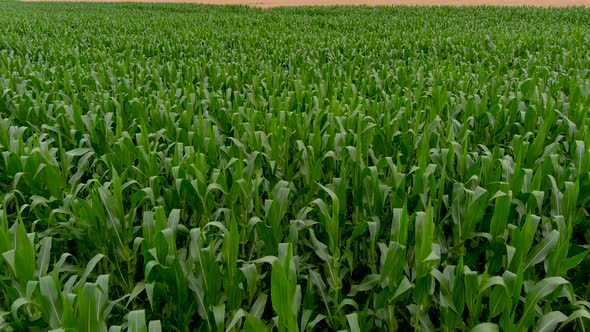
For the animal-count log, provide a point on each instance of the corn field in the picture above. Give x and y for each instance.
(197, 168)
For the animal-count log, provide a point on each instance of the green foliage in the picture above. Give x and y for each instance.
(199, 168)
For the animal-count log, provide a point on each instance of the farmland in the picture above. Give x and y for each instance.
(296, 3)
(196, 168)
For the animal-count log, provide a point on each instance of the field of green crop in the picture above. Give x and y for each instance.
(196, 168)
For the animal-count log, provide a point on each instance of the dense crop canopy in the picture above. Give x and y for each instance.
(181, 168)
